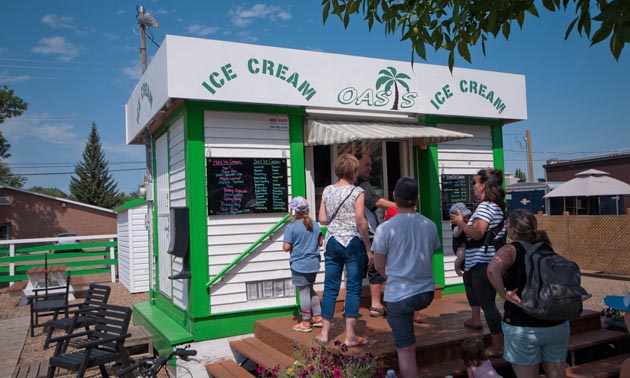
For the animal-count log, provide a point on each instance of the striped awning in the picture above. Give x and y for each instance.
(325, 132)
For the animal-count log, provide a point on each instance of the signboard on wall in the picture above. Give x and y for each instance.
(246, 185)
(456, 188)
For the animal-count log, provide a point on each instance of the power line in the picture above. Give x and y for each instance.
(70, 173)
(57, 165)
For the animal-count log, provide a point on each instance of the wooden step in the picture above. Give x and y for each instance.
(227, 369)
(454, 367)
(261, 353)
(595, 337)
(607, 367)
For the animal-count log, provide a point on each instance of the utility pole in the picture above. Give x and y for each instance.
(144, 21)
(143, 40)
(530, 162)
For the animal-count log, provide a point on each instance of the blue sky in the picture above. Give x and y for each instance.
(76, 62)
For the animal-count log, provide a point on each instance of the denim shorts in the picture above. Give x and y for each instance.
(400, 317)
(533, 345)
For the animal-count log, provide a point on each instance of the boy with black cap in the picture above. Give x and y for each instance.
(403, 252)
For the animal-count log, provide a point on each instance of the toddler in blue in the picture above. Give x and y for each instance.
(302, 238)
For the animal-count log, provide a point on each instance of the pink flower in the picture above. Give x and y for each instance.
(337, 373)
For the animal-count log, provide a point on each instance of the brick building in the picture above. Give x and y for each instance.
(617, 166)
(26, 215)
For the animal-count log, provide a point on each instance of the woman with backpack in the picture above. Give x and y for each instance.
(484, 227)
(529, 341)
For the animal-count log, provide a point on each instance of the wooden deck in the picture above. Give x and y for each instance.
(13, 333)
(438, 339)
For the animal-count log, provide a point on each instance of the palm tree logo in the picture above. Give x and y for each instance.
(391, 77)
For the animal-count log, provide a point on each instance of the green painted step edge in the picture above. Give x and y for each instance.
(166, 332)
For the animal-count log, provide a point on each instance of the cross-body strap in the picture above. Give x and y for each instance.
(341, 204)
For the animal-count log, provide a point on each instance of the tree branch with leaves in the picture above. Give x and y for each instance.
(456, 25)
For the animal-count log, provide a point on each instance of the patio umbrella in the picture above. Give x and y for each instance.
(590, 183)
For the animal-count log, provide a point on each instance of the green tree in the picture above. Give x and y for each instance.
(124, 197)
(94, 184)
(520, 175)
(10, 106)
(55, 192)
(392, 77)
(455, 25)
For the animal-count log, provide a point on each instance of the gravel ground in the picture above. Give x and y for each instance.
(33, 346)
(599, 287)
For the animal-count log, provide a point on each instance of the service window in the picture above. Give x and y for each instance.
(389, 163)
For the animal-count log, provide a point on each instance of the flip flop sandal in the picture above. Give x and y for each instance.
(301, 328)
(361, 341)
(377, 313)
(468, 323)
(317, 322)
(418, 320)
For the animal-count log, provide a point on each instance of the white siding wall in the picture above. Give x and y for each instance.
(139, 252)
(244, 135)
(177, 182)
(466, 156)
(124, 255)
(133, 249)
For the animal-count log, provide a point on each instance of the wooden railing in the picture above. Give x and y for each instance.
(92, 254)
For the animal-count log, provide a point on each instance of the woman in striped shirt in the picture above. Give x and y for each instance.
(489, 216)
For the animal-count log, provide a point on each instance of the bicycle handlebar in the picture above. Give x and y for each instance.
(150, 366)
(130, 368)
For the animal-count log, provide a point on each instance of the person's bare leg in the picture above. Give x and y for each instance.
(526, 371)
(476, 315)
(555, 369)
(323, 336)
(407, 361)
(351, 337)
(375, 293)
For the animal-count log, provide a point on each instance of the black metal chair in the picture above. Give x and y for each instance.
(104, 343)
(96, 296)
(48, 301)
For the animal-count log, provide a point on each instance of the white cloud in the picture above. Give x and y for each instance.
(163, 11)
(134, 70)
(201, 30)
(59, 46)
(121, 12)
(6, 78)
(43, 127)
(246, 36)
(243, 17)
(60, 22)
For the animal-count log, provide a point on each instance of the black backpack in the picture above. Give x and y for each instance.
(553, 289)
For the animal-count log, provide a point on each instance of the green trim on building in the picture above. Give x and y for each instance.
(129, 204)
(296, 147)
(426, 173)
(195, 152)
(165, 332)
(236, 323)
(454, 289)
(497, 148)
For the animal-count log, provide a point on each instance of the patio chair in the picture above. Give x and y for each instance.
(101, 345)
(48, 301)
(96, 296)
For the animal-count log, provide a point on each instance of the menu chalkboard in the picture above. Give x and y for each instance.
(246, 185)
(456, 188)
